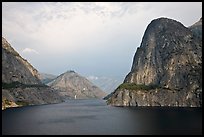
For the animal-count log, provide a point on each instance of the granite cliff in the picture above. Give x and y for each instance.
(15, 68)
(20, 81)
(166, 69)
(70, 84)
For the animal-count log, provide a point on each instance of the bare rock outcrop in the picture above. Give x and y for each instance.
(170, 60)
(71, 85)
(15, 68)
(21, 85)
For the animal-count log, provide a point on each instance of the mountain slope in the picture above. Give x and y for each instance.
(70, 84)
(166, 70)
(16, 68)
(20, 81)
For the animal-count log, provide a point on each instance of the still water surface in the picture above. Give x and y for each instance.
(77, 117)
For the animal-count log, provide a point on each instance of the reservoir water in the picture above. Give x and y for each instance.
(94, 117)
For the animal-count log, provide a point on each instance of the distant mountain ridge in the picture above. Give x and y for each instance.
(71, 84)
(46, 78)
(107, 84)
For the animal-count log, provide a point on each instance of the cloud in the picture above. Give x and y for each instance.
(93, 38)
(29, 50)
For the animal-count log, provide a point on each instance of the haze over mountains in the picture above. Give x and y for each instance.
(166, 69)
(46, 78)
(107, 84)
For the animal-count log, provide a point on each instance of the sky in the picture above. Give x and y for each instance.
(91, 38)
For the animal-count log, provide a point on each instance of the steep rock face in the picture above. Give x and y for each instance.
(20, 81)
(32, 95)
(15, 68)
(155, 97)
(70, 84)
(170, 57)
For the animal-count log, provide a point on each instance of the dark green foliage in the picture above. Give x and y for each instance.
(21, 85)
(22, 103)
(133, 86)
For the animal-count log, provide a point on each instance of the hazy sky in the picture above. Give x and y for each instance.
(98, 39)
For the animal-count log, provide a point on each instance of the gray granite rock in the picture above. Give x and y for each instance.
(170, 56)
(20, 82)
(71, 83)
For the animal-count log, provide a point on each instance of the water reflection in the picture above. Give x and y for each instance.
(95, 117)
